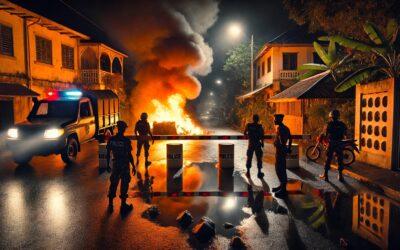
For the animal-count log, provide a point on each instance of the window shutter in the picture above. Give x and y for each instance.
(6, 40)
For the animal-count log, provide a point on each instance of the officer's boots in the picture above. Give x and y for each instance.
(125, 207)
(260, 174)
(324, 176)
(281, 193)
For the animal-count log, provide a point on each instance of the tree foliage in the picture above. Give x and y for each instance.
(237, 65)
(342, 17)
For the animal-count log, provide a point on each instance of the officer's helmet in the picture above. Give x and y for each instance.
(143, 116)
(121, 125)
(334, 114)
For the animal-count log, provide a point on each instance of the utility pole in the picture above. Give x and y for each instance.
(251, 64)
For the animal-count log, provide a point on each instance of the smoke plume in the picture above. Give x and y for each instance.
(169, 50)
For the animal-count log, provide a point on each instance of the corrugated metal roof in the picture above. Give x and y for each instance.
(14, 89)
(319, 86)
(254, 92)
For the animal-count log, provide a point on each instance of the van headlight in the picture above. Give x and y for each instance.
(53, 133)
(12, 133)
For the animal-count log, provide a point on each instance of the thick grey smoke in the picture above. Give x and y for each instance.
(166, 40)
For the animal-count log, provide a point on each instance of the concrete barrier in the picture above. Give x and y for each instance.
(226, 155)
(174, 155)
(174, 167)
(292, 159)
(225, 179)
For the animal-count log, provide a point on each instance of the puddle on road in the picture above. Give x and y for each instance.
(366, 220)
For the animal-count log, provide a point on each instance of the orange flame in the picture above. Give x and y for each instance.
(174, 110)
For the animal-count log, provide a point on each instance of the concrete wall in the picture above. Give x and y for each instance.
(374, 122)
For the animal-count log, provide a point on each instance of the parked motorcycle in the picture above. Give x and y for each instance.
(314, 152)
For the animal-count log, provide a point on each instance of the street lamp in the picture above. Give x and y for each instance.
(234, 31)
(218, 81)
(211, 93)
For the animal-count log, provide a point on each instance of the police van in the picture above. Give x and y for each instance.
(62, 122)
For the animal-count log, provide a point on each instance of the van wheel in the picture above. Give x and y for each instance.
(22, 160)
(70, 152)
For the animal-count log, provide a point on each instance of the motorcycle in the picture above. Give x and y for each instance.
(314, 152)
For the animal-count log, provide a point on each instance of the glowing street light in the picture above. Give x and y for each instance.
(211, 93)
(235, 30)
(218, 82)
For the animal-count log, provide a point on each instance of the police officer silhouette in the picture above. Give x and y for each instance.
(283, 146)
(142, 130)
(335, 132)
(120, 147)
(255, 132)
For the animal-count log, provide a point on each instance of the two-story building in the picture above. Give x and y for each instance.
(42, 47)
(276, 64)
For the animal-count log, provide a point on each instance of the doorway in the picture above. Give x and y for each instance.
(6, 114)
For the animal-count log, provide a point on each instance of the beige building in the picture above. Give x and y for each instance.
(41, 54)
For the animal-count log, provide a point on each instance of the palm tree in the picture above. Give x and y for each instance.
(332, 62)
(383, 48)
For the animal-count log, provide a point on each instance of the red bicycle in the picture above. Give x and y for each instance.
(314, 152)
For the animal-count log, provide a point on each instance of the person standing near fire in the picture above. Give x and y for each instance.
(142, 131)
(283, 146)
(120, 147)
(255, 132)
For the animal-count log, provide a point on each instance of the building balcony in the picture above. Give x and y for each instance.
(96, 78)
(289, 74)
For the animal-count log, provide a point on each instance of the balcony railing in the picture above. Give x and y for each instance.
(289, 74)
(90, 76)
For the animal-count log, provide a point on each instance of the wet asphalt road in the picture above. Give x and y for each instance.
(53, 206)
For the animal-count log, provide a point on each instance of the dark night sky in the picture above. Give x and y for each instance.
(265, 19)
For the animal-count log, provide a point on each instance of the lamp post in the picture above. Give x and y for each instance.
(235, 30)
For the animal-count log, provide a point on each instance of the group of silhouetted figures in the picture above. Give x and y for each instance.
(121, 147)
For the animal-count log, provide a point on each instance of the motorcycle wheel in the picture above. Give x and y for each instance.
(348, 157)
(313, 155)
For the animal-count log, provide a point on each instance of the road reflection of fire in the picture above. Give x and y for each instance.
(174, 110)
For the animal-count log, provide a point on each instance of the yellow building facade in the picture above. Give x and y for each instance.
(40, 54)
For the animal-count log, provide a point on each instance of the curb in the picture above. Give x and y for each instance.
(388, 191)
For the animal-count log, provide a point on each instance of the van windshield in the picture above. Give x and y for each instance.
(55, 109)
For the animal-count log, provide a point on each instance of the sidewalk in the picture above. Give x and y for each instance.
(386, 180)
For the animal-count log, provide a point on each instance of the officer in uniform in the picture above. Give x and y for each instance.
(120, 147)
(142, 130)
(335, 132)
(255, 132)
(283, 146)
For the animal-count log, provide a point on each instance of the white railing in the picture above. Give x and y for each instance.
(289, 74)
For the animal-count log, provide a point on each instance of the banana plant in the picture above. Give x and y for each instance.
(382, 46)
(332, 62)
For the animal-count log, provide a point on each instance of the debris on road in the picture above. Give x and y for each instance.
(237, 243)
(204, 230)
(151, 213)
(184, 219)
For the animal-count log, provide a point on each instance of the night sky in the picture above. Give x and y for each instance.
(264, 19)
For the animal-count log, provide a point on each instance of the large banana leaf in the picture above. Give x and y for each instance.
(313, 66)
(309, 73)
(332, 50)
(322, 53)
(352, 44)
(374, 34)
(392, 28)
(354, 79)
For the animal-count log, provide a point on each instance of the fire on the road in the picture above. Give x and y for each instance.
(174, 110)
